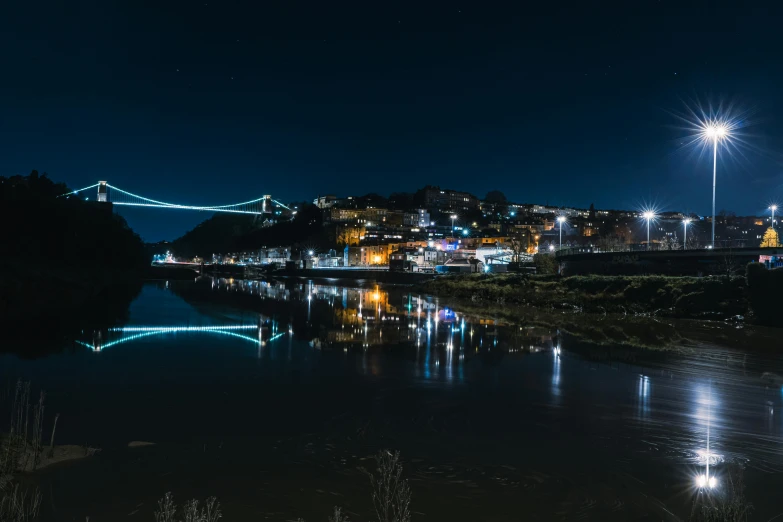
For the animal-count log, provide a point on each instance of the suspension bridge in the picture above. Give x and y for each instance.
(116, 196)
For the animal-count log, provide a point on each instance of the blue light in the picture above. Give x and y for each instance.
(168, 329)
(161, 330)
(465, 232)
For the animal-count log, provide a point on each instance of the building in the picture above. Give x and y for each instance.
(328, 259)
(374, 216)
(460, 265)
(343, 215)
(399, 218)
(325, 201)
(375, 255)
(432, 257)
(423, 218)
(435, 197)
(266, 256)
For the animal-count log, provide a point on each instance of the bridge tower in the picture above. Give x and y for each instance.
(266, 203)
(102, 193)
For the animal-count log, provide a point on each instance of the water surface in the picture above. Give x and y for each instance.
(273, 395)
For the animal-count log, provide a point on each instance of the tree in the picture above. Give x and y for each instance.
(611, 243)
(770, 239)
(671, 243)
(592, 211)
(495, 196)
(518, 241)
(372, 200)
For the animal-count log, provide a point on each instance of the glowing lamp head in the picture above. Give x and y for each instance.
(561, 219)
(648, 215)
(773, 208)
(453, 216)
(687, 221)
(715, 131)
(310, 253)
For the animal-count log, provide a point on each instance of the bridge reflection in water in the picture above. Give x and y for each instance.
(262, 333)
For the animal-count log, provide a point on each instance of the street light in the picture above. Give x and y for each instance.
(714, 131)
(773, 208)
(649, 216)
(561, 220)
(685, 223)
(453, 217)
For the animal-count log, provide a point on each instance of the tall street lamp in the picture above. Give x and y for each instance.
(649, 216)
(773, 208)
(453, 217)
(685, 223)
(714, 131)
(561, 220)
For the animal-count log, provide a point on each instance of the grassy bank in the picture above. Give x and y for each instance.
(689, 297)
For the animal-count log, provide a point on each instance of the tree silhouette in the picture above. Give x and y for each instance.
(495, 196)
(72, 261)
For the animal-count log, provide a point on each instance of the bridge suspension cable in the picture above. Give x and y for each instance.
(77, 191)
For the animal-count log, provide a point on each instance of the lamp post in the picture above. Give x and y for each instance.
(773, 208)
(714, 131)
(649, 216)
(685, 223)
(453, 217)
(561, 220)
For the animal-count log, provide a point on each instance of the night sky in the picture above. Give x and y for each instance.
(216, 102)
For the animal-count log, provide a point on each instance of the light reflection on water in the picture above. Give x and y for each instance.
(697, 409)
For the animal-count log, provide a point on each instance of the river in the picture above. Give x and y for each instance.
(273, 395)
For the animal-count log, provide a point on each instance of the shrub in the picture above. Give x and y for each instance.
(545, 264)
(167, 510)
(391, 495)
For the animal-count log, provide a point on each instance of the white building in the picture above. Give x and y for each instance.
(424, 217)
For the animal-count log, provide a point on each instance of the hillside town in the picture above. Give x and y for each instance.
(451, 230)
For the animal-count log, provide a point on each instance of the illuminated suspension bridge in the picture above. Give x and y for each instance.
(110, 194)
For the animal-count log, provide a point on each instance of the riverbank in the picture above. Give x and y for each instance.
(684, 297)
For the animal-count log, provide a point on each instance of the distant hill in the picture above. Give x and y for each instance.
(225, 233)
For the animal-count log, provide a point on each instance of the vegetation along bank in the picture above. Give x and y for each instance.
(751, 296)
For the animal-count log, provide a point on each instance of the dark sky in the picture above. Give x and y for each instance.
(216, 102)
